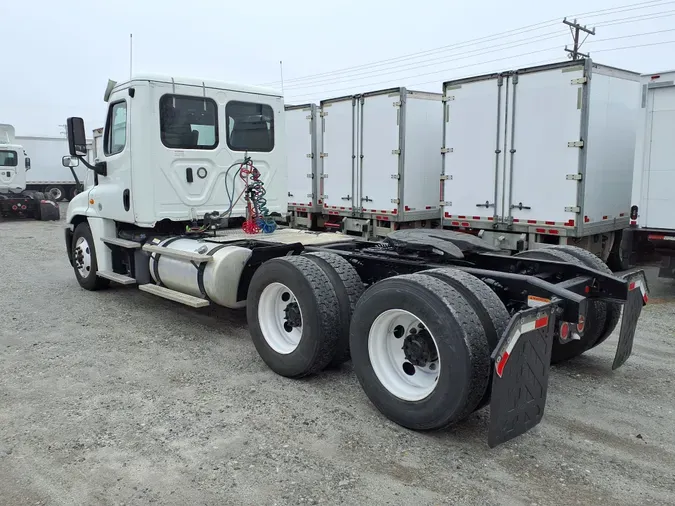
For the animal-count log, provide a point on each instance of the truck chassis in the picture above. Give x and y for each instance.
(438, 324)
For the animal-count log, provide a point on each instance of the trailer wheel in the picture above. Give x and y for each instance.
(84, 259)
(57, 192)
(73, 193)
(291, 316)
(595, 319)
(488, 306)
(613, 309)
(348, 288)
(419, 351)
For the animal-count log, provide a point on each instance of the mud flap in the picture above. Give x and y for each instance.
(638, 295)
(522, 361)
(49, 211)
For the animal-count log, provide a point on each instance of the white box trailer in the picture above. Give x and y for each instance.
(653, 209)
(46, 173)
(380, 160)
(303, 141)
(541, 155)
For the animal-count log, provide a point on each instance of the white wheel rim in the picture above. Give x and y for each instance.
(282, 335)
(82, 257)
(398, 375)
(56, 193)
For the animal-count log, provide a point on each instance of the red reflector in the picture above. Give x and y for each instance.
(428, 207)
(564, 330)
(454, 223)
(447, 215)
(462, 217)
(645, 298)
(466, 224)
(541, 322)
(587, 289)
(655, 76)
(395, 211)
(515, 220)
(581, 324)
(554, 232)
(570, 223)
(476, 217)
(406, 208)
(532, 221)
(14, 208)
(633, 222)
(632, 286)
(502, 362)
(656, 237)
(490, 218)
(586, 219)
(604, 217)
(549, 223)
(540, 230)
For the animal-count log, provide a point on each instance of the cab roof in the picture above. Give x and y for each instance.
(208, 83)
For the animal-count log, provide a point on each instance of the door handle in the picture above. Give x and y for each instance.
(366, 199)
(348, 197)
(188, 175)
(520, 206)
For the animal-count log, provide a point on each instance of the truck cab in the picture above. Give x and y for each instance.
(13, 162)
(168, 144)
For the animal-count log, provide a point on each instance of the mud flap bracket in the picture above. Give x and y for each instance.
(521, 361)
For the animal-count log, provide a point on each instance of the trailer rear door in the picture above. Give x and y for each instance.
(473, 142)
(660, 202)
(379, 141)
(299, 151)
(544, 116)
(338, 157)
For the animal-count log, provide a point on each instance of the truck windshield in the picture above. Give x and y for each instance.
(8, 159)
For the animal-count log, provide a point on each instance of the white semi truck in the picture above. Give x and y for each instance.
(47, 174)
(15, 199)
(437, 323)
(652, 215)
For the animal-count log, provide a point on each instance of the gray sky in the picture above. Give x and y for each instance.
(58, 55)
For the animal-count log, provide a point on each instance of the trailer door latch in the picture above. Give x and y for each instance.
(396, 176)
(575, 144)
(486, 205)
(573, 177)
(520, 206)
(572, 209)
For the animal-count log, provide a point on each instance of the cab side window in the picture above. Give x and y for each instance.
(116, 129)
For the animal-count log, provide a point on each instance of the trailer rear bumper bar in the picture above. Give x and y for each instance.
(522, 361)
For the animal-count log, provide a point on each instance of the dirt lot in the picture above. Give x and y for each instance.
(118, 397)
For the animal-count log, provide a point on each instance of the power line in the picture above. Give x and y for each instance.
(428, 63)
(660, 43)
(634, 19)
(457, 57)
(489, 38)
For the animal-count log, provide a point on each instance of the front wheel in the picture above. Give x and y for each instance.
(84, 259)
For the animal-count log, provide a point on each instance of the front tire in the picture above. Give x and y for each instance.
(419, 351)
(84, 259)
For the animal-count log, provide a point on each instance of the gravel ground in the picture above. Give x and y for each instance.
(118, 397)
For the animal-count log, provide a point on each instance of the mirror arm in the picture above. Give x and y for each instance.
(78, 184)
(100, 168)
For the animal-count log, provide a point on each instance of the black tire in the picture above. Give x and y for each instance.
(613, 309)
(73, 192)
(488, 306)
(317, 300)
(90, 281)
(595, 319)
(348, 289)
(460, 343)
(56, 192)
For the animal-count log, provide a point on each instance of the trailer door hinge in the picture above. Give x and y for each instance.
(397, 104)
(395, 151)
(573, 177)
(323, 114)
(310, 195)
(448, 99)
(323, 155)
(445, 203)
(575, 144)
(446, 150)
(446, 178)
(395, 201)
(573, 209)
(581, 80)
(396, 176)
(309, 116)
(310, 176)
(310, 155)
(324, 176)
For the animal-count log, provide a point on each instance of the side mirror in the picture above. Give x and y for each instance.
(77, 140)
(70, 161)
(27, 163)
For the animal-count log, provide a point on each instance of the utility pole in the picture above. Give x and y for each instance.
(576, 29)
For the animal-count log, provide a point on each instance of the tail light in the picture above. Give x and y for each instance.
(634, 212)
